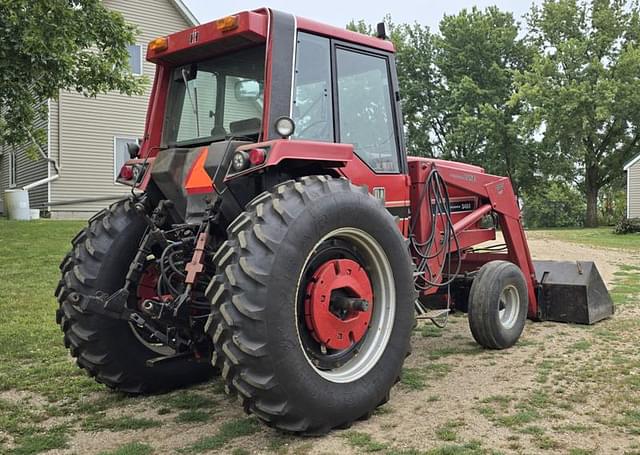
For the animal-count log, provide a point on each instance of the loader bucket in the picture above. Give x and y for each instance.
(571, 292)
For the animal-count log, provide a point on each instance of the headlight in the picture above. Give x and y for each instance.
(285, 127)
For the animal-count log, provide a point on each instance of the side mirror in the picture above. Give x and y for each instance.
(247, 90)
(133, 149)
(186, 73)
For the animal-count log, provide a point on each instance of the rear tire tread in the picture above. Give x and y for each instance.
(80, 269)
(236, 326)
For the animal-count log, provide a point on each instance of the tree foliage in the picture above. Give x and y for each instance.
(477, 55)
(582, 90)
(554, 107)
(456, 88)
(53, 45)
(554, 204)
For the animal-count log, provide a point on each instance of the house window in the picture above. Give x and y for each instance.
(120, 153)
(13, 169)
(135, 58)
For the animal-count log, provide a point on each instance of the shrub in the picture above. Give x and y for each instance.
(627, 226)
(612, 206)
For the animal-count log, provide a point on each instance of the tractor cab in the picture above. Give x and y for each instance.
(257, 82)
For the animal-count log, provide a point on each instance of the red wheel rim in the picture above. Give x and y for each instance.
(338, 329)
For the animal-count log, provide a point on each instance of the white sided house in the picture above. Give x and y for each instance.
(88, 137)
(633, 187)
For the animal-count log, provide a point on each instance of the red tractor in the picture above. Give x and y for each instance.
(277, 233)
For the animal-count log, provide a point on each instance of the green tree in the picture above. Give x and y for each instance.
(420, 86)
(417, 78)
(52, 45)
(477, 55)
(457, 88)
(583, 91)
(553, 204)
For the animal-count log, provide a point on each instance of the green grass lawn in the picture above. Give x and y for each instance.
(599, 237)
(32, 355)
(33, 359)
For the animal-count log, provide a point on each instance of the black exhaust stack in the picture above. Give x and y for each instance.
(572, 292)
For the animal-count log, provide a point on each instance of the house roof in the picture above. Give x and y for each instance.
(185, 12)
(630, 163)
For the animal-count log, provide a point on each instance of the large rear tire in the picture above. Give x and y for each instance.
(267, 342)
(109, 349)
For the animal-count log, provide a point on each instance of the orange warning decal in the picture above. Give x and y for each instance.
(198, 181)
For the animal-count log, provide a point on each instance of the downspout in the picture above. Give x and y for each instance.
(45, 156)
(40, 182)
(50, 161)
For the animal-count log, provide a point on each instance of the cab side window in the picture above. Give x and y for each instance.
(365, 109)
(312, 98)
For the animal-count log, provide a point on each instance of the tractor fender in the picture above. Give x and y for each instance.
(280, 151)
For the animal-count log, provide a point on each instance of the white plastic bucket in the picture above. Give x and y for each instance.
(17, 204)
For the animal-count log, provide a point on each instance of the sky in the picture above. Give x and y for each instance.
(340, 12)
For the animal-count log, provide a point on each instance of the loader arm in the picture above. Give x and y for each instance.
(499, 197)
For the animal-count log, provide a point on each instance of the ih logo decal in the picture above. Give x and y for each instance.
(193, 38)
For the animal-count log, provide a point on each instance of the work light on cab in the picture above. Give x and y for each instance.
(285, 127)
(240, 161)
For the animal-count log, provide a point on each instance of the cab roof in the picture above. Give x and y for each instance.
(249, 26)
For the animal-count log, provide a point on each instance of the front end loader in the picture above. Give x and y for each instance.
(278, 235)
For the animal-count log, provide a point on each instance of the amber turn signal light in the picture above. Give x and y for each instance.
(227, 23)
(159, 44)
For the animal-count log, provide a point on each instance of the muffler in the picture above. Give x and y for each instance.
(571, 292)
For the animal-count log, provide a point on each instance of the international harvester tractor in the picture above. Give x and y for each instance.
(278, 235)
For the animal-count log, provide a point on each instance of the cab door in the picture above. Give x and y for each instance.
(367, 115)
(348, 94)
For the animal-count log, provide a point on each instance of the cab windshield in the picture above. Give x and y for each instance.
(216, 99)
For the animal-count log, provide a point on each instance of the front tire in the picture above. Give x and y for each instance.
(267, 343)
(109, 349)
(498, 304)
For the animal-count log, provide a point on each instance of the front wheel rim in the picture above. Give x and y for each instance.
(372, 346)
(509, 306)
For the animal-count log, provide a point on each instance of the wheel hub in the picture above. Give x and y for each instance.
(339, 304)
(147, 286)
